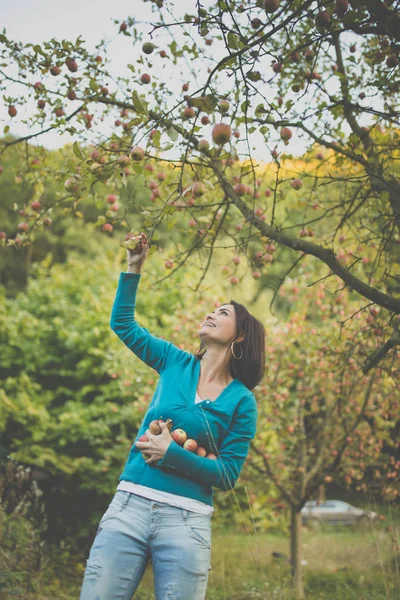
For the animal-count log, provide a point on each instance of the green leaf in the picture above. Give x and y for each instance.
(6, 129)
(172, 134)
(77, 151)
(233, 41)
(139, 104)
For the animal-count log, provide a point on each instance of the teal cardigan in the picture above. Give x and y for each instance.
(224, 426)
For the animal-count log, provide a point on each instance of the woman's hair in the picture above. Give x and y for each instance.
(250, 367)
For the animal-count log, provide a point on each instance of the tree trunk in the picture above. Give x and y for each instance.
(321, 494)
(295, 552)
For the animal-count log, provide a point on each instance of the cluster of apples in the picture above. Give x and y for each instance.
(179, 436)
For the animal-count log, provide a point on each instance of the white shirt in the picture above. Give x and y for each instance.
(166, 497)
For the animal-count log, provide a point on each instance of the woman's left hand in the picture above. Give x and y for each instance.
(157, 444)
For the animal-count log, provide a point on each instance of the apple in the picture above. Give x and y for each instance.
(107, 227)
(256, 23)
(179, 436)
(203, 146)
(296, 184)
(38, 86)
(23, 227)
(104, 90)
(111, 198)
(47, 221)
(286, 134)
(236, 134)
(221, 134)
(239, 189)
(12, 111)
(71, 185)
(123, 160)
(71, 95)
(137, 153)
(236, 260)
(145, 78)
(3, 235)
(143, 438)
(392, 61)
(188, 113)
(148, 48)
(169, 263)
(114, 207)
(123, 27)
(36, 205)
(256, 274)
(98, 59)
(59, 112)
(205, 120)
(223, 106)
(341, 7)
(163, 54)
(55, 70)
(71, 65)
(198, 189)
(234, 280)
(161, 176)
(190, 445)
(41, 104)
(212, 456)
(271, 6)
(185, 87)
(201, 451)
(277, 67)
(323, 19)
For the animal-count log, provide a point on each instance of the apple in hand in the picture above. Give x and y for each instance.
(201, 451)
(191, 445)
(179, 436)
(212, 456)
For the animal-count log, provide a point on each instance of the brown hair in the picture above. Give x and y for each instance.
(250, 367)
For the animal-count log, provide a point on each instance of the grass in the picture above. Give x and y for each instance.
(340, 565)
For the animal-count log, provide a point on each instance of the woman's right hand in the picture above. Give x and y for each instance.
(136, 259)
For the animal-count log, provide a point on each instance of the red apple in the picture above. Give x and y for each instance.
(123, 160)
(191, 445)
(205, 120)
(163, 54)
(188, 113)
(286, 134)
(41, 104)
(239, 189)
(12, 111)
(203, 146)
(256, 274)
(323, 19)
(36, 205)
(179, 436)
(145, 78)
(236, 260)
(277, 68)
(271, 6)
(3, 235)
(161, 176)
(221, 134)
(123, 27)
(212, 456)
(234, 280)
(296, 184)
(38, 86)
(341, 7)
(201, 451)
(185, 87)
(55, 70)
(98, 59)
(137, 153)
(198, 189)
(71, 65)
(107, 227)
(71, 95)
(143, 438)
(111, 198)
(23, 227)
(59, 112)
(392, 61)
(169, 263)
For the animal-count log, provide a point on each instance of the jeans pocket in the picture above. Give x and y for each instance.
(203, 536)
(117, 505)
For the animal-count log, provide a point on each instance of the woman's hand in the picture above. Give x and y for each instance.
(157, 444)
(136, 259)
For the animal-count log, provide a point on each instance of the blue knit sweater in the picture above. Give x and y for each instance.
(224, 426)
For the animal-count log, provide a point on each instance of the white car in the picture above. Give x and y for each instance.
(334, 512)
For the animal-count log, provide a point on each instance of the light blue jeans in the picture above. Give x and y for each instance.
(135, 530)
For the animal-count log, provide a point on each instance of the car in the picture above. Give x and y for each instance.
(334, 512)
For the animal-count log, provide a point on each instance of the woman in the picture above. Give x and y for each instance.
(163, 505)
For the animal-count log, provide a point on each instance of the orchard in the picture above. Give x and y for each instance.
(196, 139)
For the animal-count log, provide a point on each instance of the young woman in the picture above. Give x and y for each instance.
(163, 505)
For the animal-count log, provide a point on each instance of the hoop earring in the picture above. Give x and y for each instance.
(241, 349)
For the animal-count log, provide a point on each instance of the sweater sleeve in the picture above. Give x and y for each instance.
(225, 470)
(150, 349)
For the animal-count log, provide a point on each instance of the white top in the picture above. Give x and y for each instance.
(166, 497)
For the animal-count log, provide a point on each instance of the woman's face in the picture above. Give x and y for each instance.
(219, 325)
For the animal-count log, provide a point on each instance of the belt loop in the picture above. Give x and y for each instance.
(185, 514)
(126, 499)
